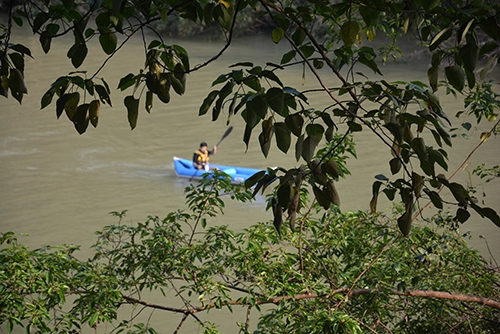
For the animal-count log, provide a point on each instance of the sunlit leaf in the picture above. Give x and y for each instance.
(484, 136)
(277, 34)
(440, 37)
(94, 107)
(71, 104)
(349, 32)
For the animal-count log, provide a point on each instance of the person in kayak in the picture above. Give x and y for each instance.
(201, 156)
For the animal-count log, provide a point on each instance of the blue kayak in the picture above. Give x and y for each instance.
(185, 168)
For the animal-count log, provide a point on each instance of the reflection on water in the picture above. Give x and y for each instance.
(58, 186)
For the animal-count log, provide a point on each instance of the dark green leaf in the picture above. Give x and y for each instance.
(308, 148)
(287, 57)
(79, 53)
(81, 118)
(283, 194)
(258, 105)
(132, 105)
(108, 42)
(103, 94)
(395, 164)
(491, 215)
(207, 102)
(275, 98)
(462, 215)
(252, 180)
(126, 81)
(354, 127)
(295, 123)
(456, 76)
(283, 136)
(47, 98)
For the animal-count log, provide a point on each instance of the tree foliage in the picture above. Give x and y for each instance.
(343, 273)
(326, 39)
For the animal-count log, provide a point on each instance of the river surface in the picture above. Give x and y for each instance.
(58, 186)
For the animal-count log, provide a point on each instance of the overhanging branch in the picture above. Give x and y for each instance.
(489, 302)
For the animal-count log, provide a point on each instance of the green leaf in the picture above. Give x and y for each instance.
(322, 198)
(395, 164)
(308, 148)
(275, 98)
(469, 54)
(435, 198)
(287, 57)
(433, 76)
(354, 127)
(149, 101)
(81, 118)
(252, 180)
(459, 192)
(61, 103)
(369, 14)
(47, 98)
(440, 37)
(126, 81)
(207, 102)
(45, 41)
(349, 32)
(108, 42)
(492, 215)
(94, 107)
(208, 13)
(132, 105)
(77, 53)
(224, 14)
(456, 76)
(103, 94)
(283, 136)
(316, 131)
(283, 194)
(258, 105)
(298, 147)
(462, 215)
(277, 34)
(299, 36)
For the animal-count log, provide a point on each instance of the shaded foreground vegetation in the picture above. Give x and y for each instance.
(347, 272)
